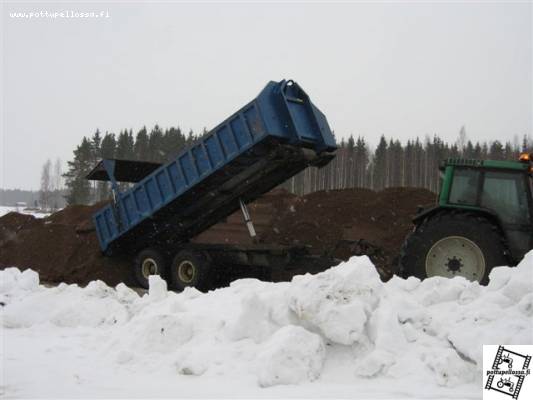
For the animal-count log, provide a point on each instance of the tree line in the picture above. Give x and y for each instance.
(391, 163)
(157, 145)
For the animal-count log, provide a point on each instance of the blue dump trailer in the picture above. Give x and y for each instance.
(269, 140)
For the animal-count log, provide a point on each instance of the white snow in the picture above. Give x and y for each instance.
(340, 333)
(291, 355)
(157, 289)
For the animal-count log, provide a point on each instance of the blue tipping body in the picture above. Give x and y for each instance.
(282, 111)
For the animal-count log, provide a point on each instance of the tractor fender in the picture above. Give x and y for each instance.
(482, 212)
(485, 212)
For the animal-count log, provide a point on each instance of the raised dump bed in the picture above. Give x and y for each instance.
(269, 140)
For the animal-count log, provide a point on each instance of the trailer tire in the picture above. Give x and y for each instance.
(191, 268)
(442, 244)
(150, 261)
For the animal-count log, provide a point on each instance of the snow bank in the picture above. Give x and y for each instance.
(29, 304)
(343, 324)
(291, 355)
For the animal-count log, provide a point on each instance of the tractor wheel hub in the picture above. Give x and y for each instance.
(454, 264)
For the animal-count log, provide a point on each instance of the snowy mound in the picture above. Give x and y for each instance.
(342, 329)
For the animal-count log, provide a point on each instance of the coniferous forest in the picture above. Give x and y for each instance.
(391, 163)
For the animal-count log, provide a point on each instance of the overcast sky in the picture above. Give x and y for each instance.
(399, 69)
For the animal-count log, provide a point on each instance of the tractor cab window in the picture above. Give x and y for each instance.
(505, 194)
(464, 186)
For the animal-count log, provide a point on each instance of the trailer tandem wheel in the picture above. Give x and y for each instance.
(191, 268)
(150, 261)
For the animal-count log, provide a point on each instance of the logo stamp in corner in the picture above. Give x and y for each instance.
(507, 373)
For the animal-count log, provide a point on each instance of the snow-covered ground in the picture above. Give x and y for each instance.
(21, 210)
(338, 334)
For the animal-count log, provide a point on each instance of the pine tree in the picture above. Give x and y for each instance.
(496, 151)
(477, 154)
(96, 150)
(142, 146)
(191, 138)
(173, 141)
(380, 164)
(469, 150)
(79, 189)
(508, 152)
(131, 145)
(124, 149)
(96, 142)
(108, 148)
(155, 143)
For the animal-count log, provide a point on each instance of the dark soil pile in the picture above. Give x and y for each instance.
(64, 247)
(330, 222)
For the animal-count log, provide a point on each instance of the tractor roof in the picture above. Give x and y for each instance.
(472, 163)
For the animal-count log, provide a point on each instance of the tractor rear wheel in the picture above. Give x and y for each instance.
(453, 244)
(148, 262)
(191, 268)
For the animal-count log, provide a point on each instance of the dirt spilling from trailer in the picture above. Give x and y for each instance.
(339, 223)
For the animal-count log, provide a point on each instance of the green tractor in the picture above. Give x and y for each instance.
(483, 219)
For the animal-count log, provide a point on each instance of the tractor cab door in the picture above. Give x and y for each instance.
(508, 195)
